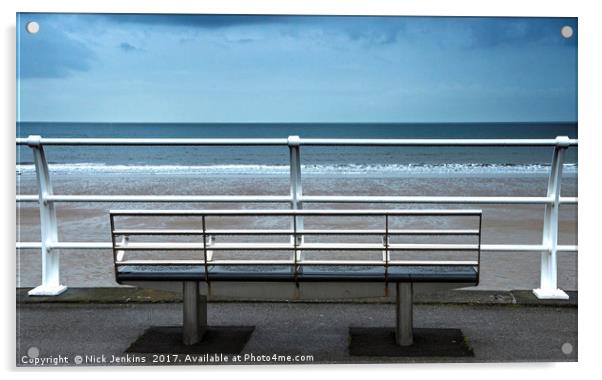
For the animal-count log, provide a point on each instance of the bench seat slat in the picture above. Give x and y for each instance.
(290, 262)
(280, 273)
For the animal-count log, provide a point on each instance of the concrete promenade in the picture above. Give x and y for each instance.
(498, 326)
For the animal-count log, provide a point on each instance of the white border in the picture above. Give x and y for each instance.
(590, 124)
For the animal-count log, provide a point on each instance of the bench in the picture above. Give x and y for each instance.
(380, 250)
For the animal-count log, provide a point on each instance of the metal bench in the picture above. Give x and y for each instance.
(385, 262)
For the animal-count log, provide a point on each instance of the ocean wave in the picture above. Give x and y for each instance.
(322, 169)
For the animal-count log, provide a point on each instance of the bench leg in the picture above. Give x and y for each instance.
(404, 314)
(195, 313)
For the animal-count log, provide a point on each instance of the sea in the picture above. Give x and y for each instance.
(316, 161)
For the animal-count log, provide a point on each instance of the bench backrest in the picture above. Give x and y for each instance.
(382, 238)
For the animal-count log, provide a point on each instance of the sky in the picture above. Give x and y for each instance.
(237, 68)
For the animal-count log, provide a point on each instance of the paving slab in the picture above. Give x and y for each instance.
(290, 332)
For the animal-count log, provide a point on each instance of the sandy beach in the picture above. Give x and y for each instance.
(502, 224)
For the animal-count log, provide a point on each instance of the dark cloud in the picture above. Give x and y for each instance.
(508, 31)
(201, 21)
(51, 53)
(365, 30)
(245, 40)
(481, 32)
(127, 47)
(375, 29)
(381, 30)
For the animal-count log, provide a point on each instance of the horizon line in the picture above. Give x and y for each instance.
(297, 122)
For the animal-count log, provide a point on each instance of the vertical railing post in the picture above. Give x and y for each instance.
(295, 187)
(48, 227)
(386, 253)
(549, 263)
(210, 242)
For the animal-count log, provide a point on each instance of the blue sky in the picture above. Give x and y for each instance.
(201, 68)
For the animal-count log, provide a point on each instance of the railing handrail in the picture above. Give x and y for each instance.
(484, 247)
(37, 140)
(357, 199)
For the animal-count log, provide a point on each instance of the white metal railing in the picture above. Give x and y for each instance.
(50, 245)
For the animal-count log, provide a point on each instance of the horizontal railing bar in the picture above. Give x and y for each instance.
(425, 212)
(568, 200)
(438, 142)
(168, 198)
(80, 245)
(288, 246)
(27, 198)
(287, 198)
(290, 232)
(298, 141)
(32, 245)
(484, 247)
(525, 247)
(291, 262)
(154, 141)
(425, 199)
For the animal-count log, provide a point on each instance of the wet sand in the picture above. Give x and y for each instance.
(507, 224)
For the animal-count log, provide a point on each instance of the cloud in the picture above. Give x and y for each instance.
(51, 53)
(342, 64)
(127, 47)
(369, 29)
(509, 31)
(450, 32)
(200, 21)
(468, 32)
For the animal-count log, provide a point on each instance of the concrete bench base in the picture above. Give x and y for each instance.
(428, 342)
(229, 340)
